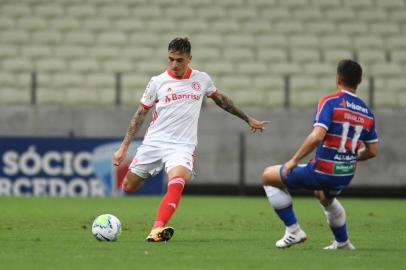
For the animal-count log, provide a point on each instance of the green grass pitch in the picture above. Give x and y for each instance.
(211, 233)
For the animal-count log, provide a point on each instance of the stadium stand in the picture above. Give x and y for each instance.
(77, 47)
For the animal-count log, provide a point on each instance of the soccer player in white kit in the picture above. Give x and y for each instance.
(171, 138)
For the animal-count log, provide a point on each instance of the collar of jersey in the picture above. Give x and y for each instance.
(186, 76)
(348, 92)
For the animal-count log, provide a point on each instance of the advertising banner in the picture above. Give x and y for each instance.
(33, 166)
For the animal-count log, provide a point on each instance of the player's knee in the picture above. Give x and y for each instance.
(268, 177)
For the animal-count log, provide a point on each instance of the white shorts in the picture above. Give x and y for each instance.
(150, 160)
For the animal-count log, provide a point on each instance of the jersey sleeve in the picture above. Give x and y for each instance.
(149, 97)
(372, 135)
(210, 89)
(324, 114)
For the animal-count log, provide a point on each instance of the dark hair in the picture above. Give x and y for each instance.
(181, 45)
(350, 73)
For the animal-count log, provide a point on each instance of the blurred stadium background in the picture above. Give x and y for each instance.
(76, 68)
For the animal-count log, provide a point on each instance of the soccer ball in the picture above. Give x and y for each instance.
(106, 227)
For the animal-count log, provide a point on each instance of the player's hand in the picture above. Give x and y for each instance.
(290, 165)
(119, 156)
(257, 125)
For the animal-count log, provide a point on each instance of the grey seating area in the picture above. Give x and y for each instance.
(247, 46)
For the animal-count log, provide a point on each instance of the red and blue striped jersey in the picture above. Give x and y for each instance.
(348, 122)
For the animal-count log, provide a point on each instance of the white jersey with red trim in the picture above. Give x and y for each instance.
(177, 106)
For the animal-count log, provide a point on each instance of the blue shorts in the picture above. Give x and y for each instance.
(304, 177)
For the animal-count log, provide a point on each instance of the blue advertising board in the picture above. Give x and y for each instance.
(52, 166)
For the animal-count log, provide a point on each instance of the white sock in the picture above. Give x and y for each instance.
(335, 214)
(277, 197)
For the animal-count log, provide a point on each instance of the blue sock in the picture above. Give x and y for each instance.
(287, 215)
(340, 233)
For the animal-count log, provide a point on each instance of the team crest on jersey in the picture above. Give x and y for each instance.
(343, 103)
(196, 86)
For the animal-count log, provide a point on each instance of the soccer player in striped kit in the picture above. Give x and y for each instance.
(343, 133)
(171, 138)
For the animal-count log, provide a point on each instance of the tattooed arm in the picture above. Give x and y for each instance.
(227, 104)
(134, 126)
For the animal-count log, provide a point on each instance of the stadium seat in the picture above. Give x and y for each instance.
(102, 52)
(218, 67)
(398, 56)
(384, 28)
(65, 23)
(288, 27)
(359, 4)
(398, 15)
(70, 51)
(225, 26)
(256, 26)
(305, 55)
(47, 37)
(304, 41)
(272, 55)
(135, 82)
(146, 12)
(242, 13)
(320, 69)
(194, 26)
(17, 64)
(272, 41)
(49, 10)
(84, 65)
(211, 13)
(36, 51)
(275, 14)
(97, 24)
(269, 82)
(67, 79)
(15, 36)
(238, 40)
(14, 96)
(386, 69)
(112, 38)
(310, 13)
(113, 11)
(372, 15)
(117, 65)
(370, 56)
(8, 79)
(128, 25)
(79, 37)
(252, 68)
(230, 3)
(326, 4)
(238, 55)
(50, 65)
(287, 68)
(17, 10)
(208, 39)
(336, 41)
(353, 28)
(8, 51)
(150, 68)
(205, 54)
(320, 29)
(232, 82)
(396, 42)
(99, 81)
(144, 38)
(160, 25)
(82, 10)
(137, 53)
(32, 23)
(335, 55)
(341, 14)
(368, 41)
(294, 3)
(391, 4)
(7, 22)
